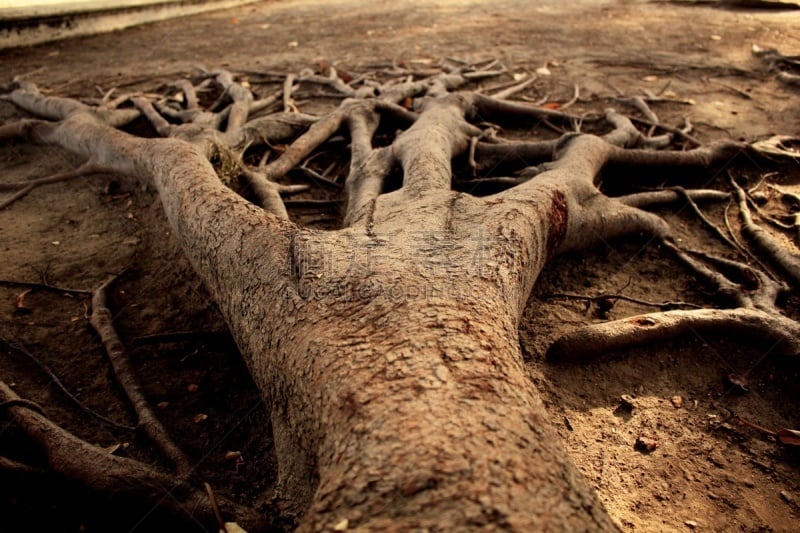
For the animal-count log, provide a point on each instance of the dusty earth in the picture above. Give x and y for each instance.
(709, 472)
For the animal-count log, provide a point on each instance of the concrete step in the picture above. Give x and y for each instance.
(24, 23)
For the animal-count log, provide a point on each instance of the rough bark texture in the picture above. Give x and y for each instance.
(388, 349)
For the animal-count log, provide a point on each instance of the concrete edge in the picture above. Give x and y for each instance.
(26, 31)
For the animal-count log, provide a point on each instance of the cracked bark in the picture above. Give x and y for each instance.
(388, 350)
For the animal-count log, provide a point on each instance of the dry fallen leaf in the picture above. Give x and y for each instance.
(111, 449)
(789, 437)
(200, 417)
(738, 382)
(677, 402)
(192, 387)
(162, 405)
(20, 303)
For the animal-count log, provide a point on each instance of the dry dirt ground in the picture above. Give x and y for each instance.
(708, 473)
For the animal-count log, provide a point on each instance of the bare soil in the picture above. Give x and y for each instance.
(709, 472)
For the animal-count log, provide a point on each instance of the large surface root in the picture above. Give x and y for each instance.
(112, 477)
(224, 159)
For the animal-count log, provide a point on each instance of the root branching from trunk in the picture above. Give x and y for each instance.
(387, 346)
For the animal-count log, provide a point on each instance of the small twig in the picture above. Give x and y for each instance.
(760, 182)
(180, 336)
(755, 426)
(536, 102)
(575, 95)
(660, 305)
(705, 220)
(680, 132)
(44, 286)
(288, 105)
(732, 88)
(19, 347)
(640, 104)
(215, 507)
(24, 187)
(514, 89)
(473, 165)
(321, 179)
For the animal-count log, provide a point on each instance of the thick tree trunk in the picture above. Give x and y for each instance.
(422, 418)
(390, 356)
(388, 351)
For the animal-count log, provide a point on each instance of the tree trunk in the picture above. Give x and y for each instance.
(388, 350)
(389, 353)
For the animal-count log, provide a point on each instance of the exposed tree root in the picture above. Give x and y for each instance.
(313, 311)
(58, 383)
(117, 478)
(9, 467)
(610, 299)
(101, 320)
(22, 188)
(668, 196)
(780, 335)
(45, 286)
(764, 242)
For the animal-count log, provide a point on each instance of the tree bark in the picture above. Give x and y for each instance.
(388, 350)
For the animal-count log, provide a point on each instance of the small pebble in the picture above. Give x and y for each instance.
(232, 455)
(645, 444)
(626, 401)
